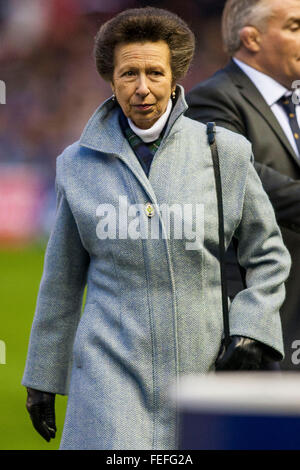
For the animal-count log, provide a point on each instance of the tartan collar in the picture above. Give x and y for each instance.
(111, 138)
(134, 140)
(143, 151)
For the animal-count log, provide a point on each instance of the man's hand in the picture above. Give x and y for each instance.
(40, 406)
(245, 354)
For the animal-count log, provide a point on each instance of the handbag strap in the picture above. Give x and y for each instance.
(211, 130)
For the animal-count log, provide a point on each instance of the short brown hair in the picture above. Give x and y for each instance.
(140, 25)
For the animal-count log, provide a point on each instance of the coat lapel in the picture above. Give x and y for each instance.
(103, 134)
(255, 99)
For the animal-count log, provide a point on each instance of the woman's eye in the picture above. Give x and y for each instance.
(130, 73)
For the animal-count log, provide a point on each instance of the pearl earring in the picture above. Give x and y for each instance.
(173, 95)
(113, 97)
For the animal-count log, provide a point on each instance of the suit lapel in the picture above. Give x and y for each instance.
(255, 99)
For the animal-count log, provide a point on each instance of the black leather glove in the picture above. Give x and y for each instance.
(246, 354)
(41, 407)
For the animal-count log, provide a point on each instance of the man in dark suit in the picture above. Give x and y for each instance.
(255, 95)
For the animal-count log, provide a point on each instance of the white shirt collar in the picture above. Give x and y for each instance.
(151, 134)
(267, 86)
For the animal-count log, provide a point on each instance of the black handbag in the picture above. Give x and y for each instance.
(211, 130)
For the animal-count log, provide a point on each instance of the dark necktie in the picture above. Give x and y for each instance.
(290, 109)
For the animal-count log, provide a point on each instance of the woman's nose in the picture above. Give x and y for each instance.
(142, 86)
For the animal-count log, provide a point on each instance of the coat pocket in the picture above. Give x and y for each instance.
(78, 340)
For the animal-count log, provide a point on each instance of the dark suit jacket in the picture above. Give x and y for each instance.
(231, 100)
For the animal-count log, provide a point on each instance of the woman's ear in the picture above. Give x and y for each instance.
(112, 87)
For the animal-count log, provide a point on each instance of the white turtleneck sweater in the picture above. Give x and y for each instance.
(151, 134)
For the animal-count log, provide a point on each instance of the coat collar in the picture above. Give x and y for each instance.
(254, 97)
(103, 134)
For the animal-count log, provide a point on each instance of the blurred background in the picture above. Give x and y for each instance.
(52, 88)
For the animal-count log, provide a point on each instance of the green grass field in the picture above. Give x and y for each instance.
(20, 274)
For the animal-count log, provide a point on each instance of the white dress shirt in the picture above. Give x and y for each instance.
(271, 92)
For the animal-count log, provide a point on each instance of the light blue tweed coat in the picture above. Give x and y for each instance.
(153, 308)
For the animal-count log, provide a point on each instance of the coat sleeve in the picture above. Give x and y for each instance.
(58, 306)
(210, 102)
(254, 311)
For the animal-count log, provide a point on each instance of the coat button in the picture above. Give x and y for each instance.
(149, 210)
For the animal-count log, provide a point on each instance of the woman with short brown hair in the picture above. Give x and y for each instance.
(137, 222)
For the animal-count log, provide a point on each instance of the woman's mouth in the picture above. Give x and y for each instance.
(143, 107)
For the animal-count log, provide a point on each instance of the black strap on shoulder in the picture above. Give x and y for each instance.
(211, 130)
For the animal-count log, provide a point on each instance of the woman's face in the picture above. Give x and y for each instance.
(142, 80)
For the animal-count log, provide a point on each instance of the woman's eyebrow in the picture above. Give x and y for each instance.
(127, 67)
(134, 67)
